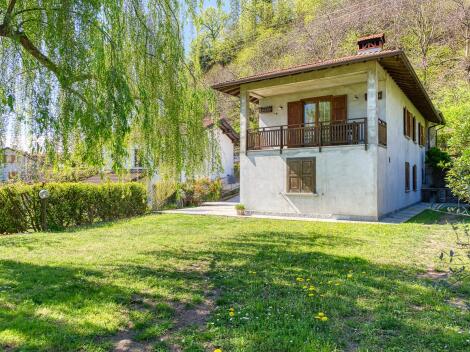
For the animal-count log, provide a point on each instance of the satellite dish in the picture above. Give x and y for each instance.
(43, 194)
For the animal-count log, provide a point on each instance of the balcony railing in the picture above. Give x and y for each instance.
(353, 131)
(382, 132)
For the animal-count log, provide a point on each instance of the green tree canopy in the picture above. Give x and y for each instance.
(91, 76)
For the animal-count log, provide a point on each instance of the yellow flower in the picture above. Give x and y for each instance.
(308, 279)
(304, 286)
(300, 279)
(232, 314)
(321, 316)
(217, 350)
(252, 272)
(311, 288)
(231, 309)
(311, 294)
(350, 276)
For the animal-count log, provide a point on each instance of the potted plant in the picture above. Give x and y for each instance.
(240, 208)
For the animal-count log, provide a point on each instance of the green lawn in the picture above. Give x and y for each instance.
(177, 277)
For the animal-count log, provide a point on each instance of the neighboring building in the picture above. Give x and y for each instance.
(17, 165)
(226, 141)
(343, 138)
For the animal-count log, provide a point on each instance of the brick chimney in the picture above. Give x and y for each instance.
(371, 44)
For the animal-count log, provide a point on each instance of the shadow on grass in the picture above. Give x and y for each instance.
(370, 306)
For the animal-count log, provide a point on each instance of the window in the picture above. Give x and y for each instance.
(413, 129)
(407, 176)
(301, 175)
(317, 110)
(421, 136)
(415, 178)
(12, 175)
(137, 158)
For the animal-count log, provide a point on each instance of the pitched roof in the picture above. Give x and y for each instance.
(394, 62)
(225, 127)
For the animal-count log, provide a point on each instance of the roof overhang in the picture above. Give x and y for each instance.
(394, 62)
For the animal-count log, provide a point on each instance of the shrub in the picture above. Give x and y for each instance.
(240, 207)
(68, 205)
(437, 158)
(163, 192)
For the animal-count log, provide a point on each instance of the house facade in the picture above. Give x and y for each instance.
(343, 138)
(17, 165)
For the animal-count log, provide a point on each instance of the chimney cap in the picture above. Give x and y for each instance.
(371, 43)
(372, 36)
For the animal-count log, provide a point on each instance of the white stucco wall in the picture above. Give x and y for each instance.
(225, 149)
(344, 187)
(391, 160)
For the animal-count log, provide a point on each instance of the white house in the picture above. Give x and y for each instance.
(343, 138)
(17, 165)
(226, 139)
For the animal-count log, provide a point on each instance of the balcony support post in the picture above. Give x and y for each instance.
(281, 145)
(371, 132)
(244, 118)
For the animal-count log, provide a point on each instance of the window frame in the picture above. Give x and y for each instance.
(317, 100)
(407, 176)
(301, 176)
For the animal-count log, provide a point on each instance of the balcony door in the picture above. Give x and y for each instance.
(305, 117)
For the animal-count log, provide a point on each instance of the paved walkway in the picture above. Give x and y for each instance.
(228, 209)
(405, 214)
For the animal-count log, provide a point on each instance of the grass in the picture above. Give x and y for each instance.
(83, 290)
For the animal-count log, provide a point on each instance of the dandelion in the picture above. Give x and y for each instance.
(350, 276)
(232, 314)
(217, 350)
(311, 294)
(321, 316)
(312, 288)
(300, 279)
(304, 286)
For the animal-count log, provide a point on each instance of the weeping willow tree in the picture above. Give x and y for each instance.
(91, 77)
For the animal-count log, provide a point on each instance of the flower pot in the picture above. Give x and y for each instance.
(240, 211)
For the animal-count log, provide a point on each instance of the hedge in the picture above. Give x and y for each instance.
(68, 205)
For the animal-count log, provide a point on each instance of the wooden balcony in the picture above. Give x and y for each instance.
(309, 135)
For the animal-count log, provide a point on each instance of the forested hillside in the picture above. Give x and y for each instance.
(261, 35)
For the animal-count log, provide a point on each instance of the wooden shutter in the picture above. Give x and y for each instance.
(404, 122)
(419, 133)
(308, 176)
(294, 113)
(415, 178)
(407, 176)
(301, 175)
(413, 129)
(294, 174)
(340, 108)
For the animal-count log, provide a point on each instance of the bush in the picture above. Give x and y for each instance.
(68, 205)
(437, 158)
(168, 194)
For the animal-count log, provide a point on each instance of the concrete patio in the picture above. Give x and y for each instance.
(227, 208)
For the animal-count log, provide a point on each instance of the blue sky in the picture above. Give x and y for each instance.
(189, 31)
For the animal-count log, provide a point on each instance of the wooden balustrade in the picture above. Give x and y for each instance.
(309, 135)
